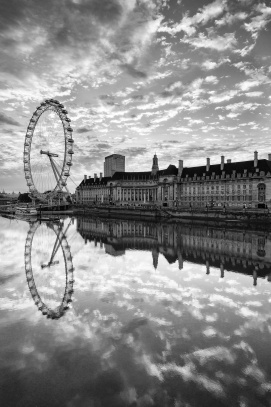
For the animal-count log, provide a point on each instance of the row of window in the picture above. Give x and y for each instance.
(217, 188)
(221, 193)
(217, 198)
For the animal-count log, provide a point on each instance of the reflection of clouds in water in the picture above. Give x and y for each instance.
(221, 300)
(12, 240)
(246, 312)
(15, 304)
(172, 333)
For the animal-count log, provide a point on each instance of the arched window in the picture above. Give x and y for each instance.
(261, 192)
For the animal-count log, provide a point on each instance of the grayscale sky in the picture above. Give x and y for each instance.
(187, 79)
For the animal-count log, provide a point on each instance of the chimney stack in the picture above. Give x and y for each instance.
(89, 177)
(85, 177)
(255, 158)
(208, 164)
(180, 169)
(222, 162)
(269, 157)
(228, 161)
(95, 177)
(101, 176)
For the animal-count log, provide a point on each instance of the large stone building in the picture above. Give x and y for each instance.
(145, 187)
(244, 183)
(232, 184)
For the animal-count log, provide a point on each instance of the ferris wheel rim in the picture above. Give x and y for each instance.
(60, 310)
(59, 109)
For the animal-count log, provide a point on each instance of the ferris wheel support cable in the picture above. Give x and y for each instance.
(70, 178)
(57, 243)
(54, 251)
(54, 170)
(55, 167)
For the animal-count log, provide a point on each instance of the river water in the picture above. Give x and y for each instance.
(133, 313)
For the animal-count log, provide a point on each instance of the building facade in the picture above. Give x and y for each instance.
(157, 187)
(114, 163)
(234, 184)
(245, 183)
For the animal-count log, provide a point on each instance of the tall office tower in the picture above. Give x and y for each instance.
(114, 163)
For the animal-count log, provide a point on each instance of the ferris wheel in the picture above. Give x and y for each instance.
(48, 265)
(48, 150)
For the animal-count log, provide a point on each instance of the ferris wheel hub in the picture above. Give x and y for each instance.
(48, 153)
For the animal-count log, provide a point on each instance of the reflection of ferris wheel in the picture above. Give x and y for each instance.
(51, 267)
(48, 150)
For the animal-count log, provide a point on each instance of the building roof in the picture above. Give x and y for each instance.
(144, 175)
(188, 172)
(170, 170)
(132, 176)
(115, 155)
(98, 182)
(238, 167)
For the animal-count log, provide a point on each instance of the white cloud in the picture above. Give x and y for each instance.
(209, 65)
(233, 115)
(224, 96)
(260, 21)
(212, 41)
(254, 94)
(246, 85)
(173, 86)
(211, 79)
(241, 106)
(202, 17)
(229, 19)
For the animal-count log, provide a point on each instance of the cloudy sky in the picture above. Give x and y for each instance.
(187, 79)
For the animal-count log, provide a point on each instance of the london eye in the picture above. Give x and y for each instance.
(48, 150)
(49, 268)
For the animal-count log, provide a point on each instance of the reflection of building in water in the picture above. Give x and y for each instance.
(109, 249)
(248, 252)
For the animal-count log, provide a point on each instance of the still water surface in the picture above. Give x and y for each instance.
(129, 313)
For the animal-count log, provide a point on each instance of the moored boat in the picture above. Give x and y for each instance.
(26, 211)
